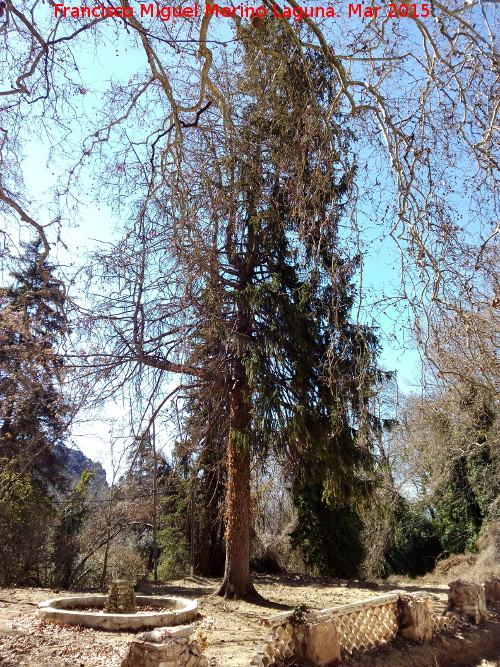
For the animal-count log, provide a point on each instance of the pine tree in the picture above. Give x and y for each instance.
(292, 368)
(205, 429)
(65, 542)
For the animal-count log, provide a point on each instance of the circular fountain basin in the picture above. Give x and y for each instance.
(172, 611)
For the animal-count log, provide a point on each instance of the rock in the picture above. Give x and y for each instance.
(195, 648)
(179, 631)
(171, 652)
(153, 636)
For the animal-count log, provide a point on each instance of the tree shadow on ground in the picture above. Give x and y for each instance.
(148, 588)
(382, 587)
(206, 587)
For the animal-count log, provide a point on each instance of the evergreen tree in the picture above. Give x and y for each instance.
(329, 537)
(66, 546)
(33, 416)
(174, 536)
(251, 257)
(26, 517)
(292, 365)
(205, 430)
(33, 410)
(415, 542)
(299, 363)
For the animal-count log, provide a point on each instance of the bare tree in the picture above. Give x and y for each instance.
(419, 86)
(241, 285)
(419, 89)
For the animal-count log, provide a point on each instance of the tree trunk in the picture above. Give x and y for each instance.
(211, 551)
(105, 561)
(237, 584)
(155, 507)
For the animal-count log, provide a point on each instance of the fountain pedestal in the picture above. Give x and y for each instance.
(121, 598)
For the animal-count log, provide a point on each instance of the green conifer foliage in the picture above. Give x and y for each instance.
(305, 371)
(285, 277)
(32, 409)
(66, 546)
(242, 284)
(328, 537)
(33, 415)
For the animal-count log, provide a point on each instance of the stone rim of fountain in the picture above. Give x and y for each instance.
(59, 610)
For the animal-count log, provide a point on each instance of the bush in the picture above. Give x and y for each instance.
(265, 565)
(271, 552)
(126, 563)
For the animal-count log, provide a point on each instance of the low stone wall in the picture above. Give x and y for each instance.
(320, 638)
(364, 625)
(166, 647)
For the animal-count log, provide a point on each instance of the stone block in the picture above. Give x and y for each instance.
(492, 590)
(415, 618)
(321, 645)
(196, 648)
(468, 599)
(156, 636)
(170, 653)
(160, 634)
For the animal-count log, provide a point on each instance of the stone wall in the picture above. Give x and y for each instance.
(167, 647)
(320, 638)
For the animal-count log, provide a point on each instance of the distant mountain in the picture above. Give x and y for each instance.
(76, 462)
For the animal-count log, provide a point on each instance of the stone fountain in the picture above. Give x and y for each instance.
(119, 610)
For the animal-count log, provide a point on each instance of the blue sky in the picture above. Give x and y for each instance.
(98, 224)
(91, 221)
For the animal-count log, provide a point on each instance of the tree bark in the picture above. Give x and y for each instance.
(237, 583)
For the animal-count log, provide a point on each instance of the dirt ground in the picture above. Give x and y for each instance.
(233, 629)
